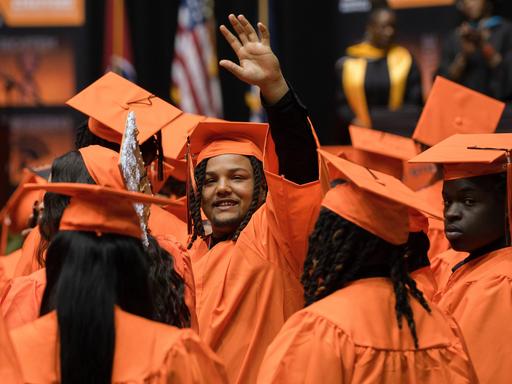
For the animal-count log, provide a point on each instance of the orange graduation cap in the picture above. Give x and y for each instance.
(100, 209)
(375, 201)
(389, 153)
(470, 155)
(19, 207)
(213, 138)
(108, 100)
(452, 108)
(383, 143)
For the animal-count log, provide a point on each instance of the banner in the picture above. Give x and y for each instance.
(42, 13)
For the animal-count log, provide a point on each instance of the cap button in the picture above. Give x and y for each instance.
(458, 120)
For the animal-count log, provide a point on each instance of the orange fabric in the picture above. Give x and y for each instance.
(378, 215)
(15, 215)
(479, 296)
(162, 222)
(212, 138)
(28, 260)
(352, 336)
(116, 216)
(438, 241)
(473, 150)
(245, 290)
(383, 143)
(102, 164)
(10, 262)
(183, 267)
(146, 352)
(108, 100)
(22, 301)
(452, 108)
(10, 371)
(374, 201)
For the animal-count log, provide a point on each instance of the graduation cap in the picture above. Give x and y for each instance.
(108, 100)
(471, 155)
(16, 212)
(388, 153)
(452, 108)
(213, 138)
(375, 201)
(99, 209)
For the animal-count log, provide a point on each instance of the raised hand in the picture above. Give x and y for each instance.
(258, 65)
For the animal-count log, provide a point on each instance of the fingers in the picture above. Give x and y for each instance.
(239, 29)
(265, 35)
(230, 38)
(232, 67)
(248, 29)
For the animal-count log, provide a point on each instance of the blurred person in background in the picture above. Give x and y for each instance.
(376, 74)
(478, 53)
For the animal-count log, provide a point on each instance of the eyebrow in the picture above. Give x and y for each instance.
(230, 170)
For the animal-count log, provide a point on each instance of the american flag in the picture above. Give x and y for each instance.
(196, 86)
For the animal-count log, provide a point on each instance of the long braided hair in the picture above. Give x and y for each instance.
(195, 199)
(338, 249)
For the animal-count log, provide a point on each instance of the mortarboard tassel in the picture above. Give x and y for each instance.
(160, 156)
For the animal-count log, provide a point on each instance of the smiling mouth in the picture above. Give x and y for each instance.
(225, 204)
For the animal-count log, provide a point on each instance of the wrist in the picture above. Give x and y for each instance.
(272, 91)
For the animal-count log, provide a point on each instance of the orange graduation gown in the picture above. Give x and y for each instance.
(352, 336)
(28, 260)
(145, 352)
(479, 296)
(245, 290)
(10, 371)
(162, 223)
(10, 262)
(21, 301)
(438, 241)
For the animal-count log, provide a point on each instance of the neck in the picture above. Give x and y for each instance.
(493, 246)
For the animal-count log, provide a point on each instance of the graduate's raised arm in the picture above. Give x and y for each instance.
(295, 141)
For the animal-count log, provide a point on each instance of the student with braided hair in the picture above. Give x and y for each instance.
(261, 204)
(358, 294)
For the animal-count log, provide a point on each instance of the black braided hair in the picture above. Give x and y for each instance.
(167, 287)
(195, 203)
(337, 251)
(195, 199)
(404, 286)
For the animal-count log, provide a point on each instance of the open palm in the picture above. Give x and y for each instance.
(257, 63)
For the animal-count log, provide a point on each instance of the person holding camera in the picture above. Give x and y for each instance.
(478, 53)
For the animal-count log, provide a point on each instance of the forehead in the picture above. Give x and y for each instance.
(384, 16)
(228, 162)
(479, 184)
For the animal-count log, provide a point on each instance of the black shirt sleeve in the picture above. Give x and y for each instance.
(294, 141)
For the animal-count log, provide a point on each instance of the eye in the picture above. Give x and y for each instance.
(238, 177)
(209, 180)
(469, 202)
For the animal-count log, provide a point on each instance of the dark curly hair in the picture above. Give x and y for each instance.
(339, 249)
(195, 199)
(167, 287)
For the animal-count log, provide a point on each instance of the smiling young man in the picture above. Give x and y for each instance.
(475, 279)
(261, 204)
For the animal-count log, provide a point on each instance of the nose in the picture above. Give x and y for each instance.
(452, 213)
(223, 187)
